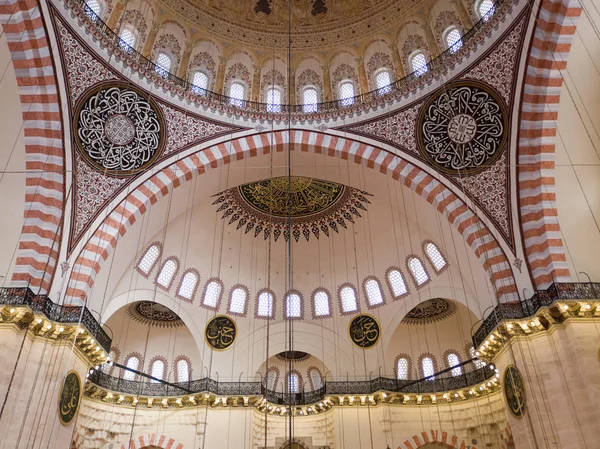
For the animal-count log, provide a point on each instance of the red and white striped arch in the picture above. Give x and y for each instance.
(30, 51)
(550, 46)
(436, 436)
(474, 231)
(153, 439)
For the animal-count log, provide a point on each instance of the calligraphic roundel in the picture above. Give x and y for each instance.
(514, 391)
(364, 331)
(220, 332)
(463, 127)
(118, 128)
(69, 398)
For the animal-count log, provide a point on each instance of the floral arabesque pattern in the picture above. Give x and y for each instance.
(273, 78)
(137, 21)
(204, 60)
(170, 45)
(343, 72)
(308, 77)
(239, 71)
(379, 60)
(444, 20)
(412, 43)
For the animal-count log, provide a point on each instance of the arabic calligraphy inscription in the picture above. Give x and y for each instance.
(364, 331)
(70, 396)
(514, 391)
(220, 332)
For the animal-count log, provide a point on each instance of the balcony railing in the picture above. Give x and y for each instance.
(397, 89)
(65, 314)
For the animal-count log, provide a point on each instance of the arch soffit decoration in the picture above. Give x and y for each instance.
(474, 231)
(437, 437)
(152, 439)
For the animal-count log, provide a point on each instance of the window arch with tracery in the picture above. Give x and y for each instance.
(396, 283)
(403, 367)
(200, 82)
(417, 271)
(346, 93)
(417, 61)
(167, 273)
(428, 366)
(310, 98)
(237, 93)
(183, 369)
(238, 300)
(213, 291)
(453, 39)
(435, 256)
(163, 64)
(294, 305)
(188, 285)
(321, 302)
(158, 369)
(373, 292)
(272, 377)
(383, 81)
(265, 304)
(147, 262)
(128, 38)
(315, 378)
(294, 382)
(93, 8)
(273, 99)
(453, 361)
(485, 9)
(133, 362)
(348, 299)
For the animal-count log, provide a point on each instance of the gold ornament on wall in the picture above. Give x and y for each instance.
(220, 333)
(364, 331)
(514, 391)
(69, 398)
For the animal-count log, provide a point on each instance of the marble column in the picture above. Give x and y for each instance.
(398, 62)
(220, 76)
(327, 91)
(362, 76)
(185, 61)
(255, 95)
(292, 87)
(147, 50)
(432, 43)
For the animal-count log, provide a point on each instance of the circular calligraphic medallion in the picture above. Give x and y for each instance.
(364, 331)
(514, 391)
(119, 129)
(463, 127)
(69, 398)
(220, 332)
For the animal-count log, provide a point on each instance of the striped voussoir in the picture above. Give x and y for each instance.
(476, 234)
(30, 52)
(153, 439)
(548, 54)
(435, 436)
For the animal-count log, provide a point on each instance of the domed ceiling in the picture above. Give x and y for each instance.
(314, 23)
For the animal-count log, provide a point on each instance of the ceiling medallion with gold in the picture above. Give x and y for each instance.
(153, 314)
(430, 311)
(315, 206)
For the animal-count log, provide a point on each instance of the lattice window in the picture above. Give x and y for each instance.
(397, 283)
(402, 369)
(486, 9)
(188, 285)
(127, 39)
(167, 273)
(383, 82)
(93, 8)
(237, 301)
(428, 369)
(321, 303)
(373, 292)
(310, 98)
(265, 305)
(148, 260)
(183, 370)
(237, 93)
(158, 370)
(478, 363)
(273, 100)
(200, 82)
(348, 299)
(293, 383)
(453, 39)
(212, 293)
(435, 256)
(453, 361)
(418, 271)
(418, 63)
(132, 363)
(272, 379)
(315, 377)
(346, 93)
(163, 64)
(293, 305)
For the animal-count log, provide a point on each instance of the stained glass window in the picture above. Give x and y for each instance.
(237, 93)
(453, 360)
(132, 363)
(486, 9)
(93, 8)
(127, 39)
(163, 64)
(428, 370)
(273, 100)
(200, 82)
(293, 383)
(183, 370)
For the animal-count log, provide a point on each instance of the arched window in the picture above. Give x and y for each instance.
(200, 82)
(273, 99)
(453, 39)
(163, 64)
(237, 94)
(265, 305)
(167, 273)
(478, 363)
(315, 378)
(397, 283)
(212, 294)
(238, 300)
(453, 362)
(347, 298)
(293, 383)
(93, 8)
(427, 368)
(149, 259)
(402, 368)
(272, 376)
(321, 304)
(188, 285)
(346, 93)
(383, 82)
(418, 63)
(157, 370)
(128, 38)
(293, 305)
(182, 370)
(310, 98)
(373, 293)
(435, 256)
(485, 9)
(132, 363)
(417, 270)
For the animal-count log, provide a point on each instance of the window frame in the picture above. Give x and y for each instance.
(98, 14)
(449, 353)
(194, 290)
(367, 300)
(167, 288)
(134, 32)
(356, 297)
(434, 363)
(408, 358)
(176, 370)
(220, 296)
(424, 246)
(310, 379)
(452, 48)
(316, 108)
(485, 17)
(300, 381)
(272, 369)
(140, 364)
(280, 104)
(273, 305)
(153, 360)
(235, 287)
(329, 302)
(285, 301)
(197, 89)
(389, 283)
(412, 275)
(159, 68)
(411, 58)
(234, 101)
(156, 261)
(348, 101)
(384, 89)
